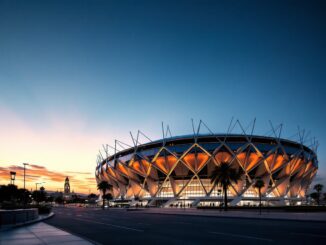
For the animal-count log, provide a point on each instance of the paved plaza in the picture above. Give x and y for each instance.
(39, 233)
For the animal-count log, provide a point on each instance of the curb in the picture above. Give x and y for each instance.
(238, 217)
(39, 219)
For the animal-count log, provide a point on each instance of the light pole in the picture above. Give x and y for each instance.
(36, 189)
(24, 184)
(24, 173)
(38, 184)
(12, 177)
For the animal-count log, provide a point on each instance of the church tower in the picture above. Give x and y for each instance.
(67, 186)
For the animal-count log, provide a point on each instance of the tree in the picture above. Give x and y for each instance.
(314, 196)
(39, 196)
(259, 184)
(108, 197)
(318, 188)
(104, 186)
(92, 196)
(224, 175)
(59, 199)
(8, 192)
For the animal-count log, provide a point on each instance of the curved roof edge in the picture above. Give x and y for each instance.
(184, 139)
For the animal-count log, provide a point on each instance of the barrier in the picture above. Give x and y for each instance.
(17, 216)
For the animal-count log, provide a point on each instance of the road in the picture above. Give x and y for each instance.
(118, 226)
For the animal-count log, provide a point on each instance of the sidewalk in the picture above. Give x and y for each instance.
(39, 233)
(303, 216)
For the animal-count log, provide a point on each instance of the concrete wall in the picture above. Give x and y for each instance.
(12, 217)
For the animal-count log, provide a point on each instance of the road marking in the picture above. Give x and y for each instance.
(308, 234)
(116, 226)
(241, 236)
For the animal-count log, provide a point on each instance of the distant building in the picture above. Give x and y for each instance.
(66, 193)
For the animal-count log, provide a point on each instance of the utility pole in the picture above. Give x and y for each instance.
(24, 184)
(24, 173)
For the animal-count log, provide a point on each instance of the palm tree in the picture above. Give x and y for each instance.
(104, 186)
(259, 184)
(318, 188)
(223, 175)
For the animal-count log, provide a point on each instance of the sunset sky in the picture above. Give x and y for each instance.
(77, 74)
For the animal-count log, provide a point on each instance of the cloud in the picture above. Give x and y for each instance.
(73, 172)
(36, 166)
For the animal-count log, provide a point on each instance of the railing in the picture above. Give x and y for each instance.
(17, 216)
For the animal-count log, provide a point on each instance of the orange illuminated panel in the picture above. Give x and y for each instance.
(308, 167)
(145, 165)
(190, 160)
(136, 166)
(104, 173)
(171, 160)
(296, 164)
(160, 163)
(300, 173)
(253, 160)
(223, 157)
(201, 160)
(112, 173)
(122, 169)
(242, 158)
(282, 188)
(288, 167)
(269, 160)
(278, 162)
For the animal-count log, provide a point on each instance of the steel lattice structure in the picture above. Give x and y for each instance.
(179, 168)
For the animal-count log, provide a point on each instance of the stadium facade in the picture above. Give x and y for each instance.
(176, 171)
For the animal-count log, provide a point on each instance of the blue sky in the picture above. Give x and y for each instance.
(107, 67)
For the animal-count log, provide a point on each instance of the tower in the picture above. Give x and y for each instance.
(67, 186)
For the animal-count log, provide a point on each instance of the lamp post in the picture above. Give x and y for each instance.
(24, 173)
(36, 189)
(38, 184)
(24, 184)
(12, 177)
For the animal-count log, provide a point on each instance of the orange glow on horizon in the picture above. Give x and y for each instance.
(80, 182)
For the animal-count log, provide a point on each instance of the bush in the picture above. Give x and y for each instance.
(44, 209)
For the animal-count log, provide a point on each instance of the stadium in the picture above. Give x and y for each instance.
(176, 171)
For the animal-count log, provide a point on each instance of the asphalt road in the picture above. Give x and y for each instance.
(117, 226)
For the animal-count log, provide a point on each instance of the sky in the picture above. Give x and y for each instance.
(78, 74)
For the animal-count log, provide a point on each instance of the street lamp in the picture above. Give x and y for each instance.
(24, 184)
(36, 189)
(12, 177)
(38, 184)
(24, 173)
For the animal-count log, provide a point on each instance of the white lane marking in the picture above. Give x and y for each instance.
(308, 234)
(241, 236)
(116, 226)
